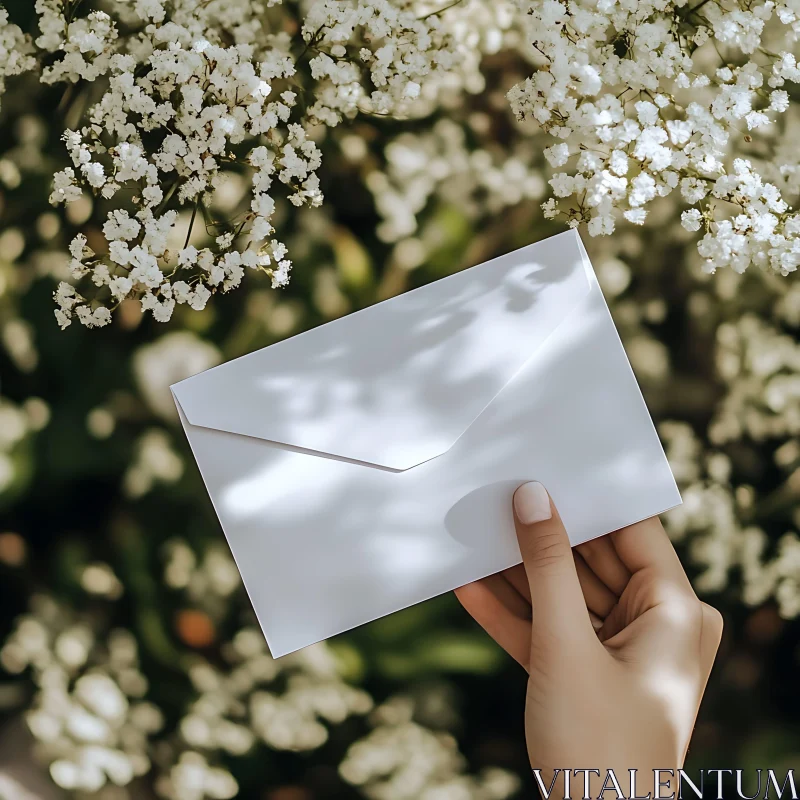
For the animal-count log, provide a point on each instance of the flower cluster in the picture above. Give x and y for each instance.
(154, 462)
(15, 56)
(167, 360)
(401, 759)
(192, 94)
(640, 101)
(412, 49)
(712, 520)
(207, 107)
(646, 99)
(760, 365)
(84, 45)
(236, 708)
(95, 727)
(440, 163)
(89, 716)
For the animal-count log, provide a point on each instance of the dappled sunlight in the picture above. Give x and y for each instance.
(325, 543)
(397, 383)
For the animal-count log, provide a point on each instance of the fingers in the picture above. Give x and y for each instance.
(559, 606)
(658, 588)
(603, 559)
(519, 580)
(496, 607)
(599, 599)
(502, 612)
(645, 545)
(562, 584)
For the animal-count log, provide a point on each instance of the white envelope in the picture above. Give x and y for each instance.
(369, 464)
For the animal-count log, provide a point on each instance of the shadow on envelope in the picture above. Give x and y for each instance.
(325, 543)
(474, 516)
(397, 383)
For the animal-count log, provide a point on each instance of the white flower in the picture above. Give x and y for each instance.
(168, 360)
(76, 246)
(693, 189)
(613, 78)
(15, 50)
(636, 215)
(193, 92)
(280, 274)
(691, 219)
(65, 189)
(87, 715)
(563, 184)
(184, 73)
(557, 154)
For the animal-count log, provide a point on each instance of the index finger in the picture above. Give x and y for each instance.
(645, 545)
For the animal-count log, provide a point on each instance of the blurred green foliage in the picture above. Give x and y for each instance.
(70, 503)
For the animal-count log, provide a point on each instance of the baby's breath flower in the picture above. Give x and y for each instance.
(214, 93)
(15, 50)
(612, 80)
(88, 715)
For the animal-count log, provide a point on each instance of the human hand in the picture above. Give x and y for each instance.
(617, 646)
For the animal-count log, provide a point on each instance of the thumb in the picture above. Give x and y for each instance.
(559, 608)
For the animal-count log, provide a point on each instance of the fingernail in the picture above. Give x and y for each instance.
(532, 503)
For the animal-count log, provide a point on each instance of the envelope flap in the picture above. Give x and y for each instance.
(397, 383)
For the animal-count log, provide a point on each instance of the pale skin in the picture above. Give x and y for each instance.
(617, 646)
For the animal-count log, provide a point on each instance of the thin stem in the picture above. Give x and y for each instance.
(70, 10)
(191, 225)
(168, 196)
(693, 9)
(66, 99)
(240, 228)
(311, 42)
(439, 10)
